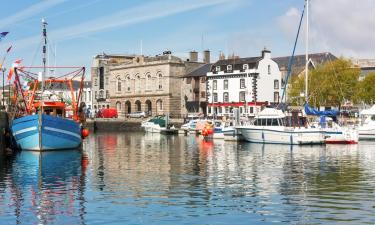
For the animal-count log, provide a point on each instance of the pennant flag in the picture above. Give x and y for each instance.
(3, 34)
(11, 71)
(8, 50)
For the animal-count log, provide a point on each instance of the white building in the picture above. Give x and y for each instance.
(243, 83)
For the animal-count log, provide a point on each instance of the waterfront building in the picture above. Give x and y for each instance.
(100, 77)
(193, 89)
(150, 84)
(366, 65)
(87, 94)
(243, 83)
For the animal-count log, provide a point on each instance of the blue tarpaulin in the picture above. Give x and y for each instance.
(311, 111)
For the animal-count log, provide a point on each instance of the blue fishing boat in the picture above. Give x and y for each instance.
(45, 132)
(45, 120)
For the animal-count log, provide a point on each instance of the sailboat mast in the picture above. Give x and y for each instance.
(307, 52)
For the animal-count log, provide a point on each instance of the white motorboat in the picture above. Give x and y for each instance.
(269, 126)
(367, 127)
(159, 125)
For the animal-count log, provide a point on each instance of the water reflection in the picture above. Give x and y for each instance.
(137, 178)
(40, 188)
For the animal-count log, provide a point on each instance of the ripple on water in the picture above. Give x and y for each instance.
(137, 178)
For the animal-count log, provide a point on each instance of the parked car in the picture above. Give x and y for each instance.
(107, 113)
(137, 114)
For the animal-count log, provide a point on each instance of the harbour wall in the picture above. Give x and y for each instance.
(4, 124)
(120, 124)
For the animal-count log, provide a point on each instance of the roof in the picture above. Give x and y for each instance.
(65, 86)
(200, 71)
(299, 60)
(248, 60)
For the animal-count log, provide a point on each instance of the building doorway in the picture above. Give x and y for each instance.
(128, 107)
(138, 105)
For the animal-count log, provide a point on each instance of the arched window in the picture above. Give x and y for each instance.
(118, 84)
(118, 106)
(159, 105)
(128, 83)
(137, 83)
(160, 76)
(148, 81)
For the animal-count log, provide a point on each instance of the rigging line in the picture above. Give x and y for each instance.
(36, 52)
(291, 59)
(336, 80)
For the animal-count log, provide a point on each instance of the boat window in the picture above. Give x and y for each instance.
(59, 112)
(373, 117)
(256, 123)
(264, 121)
(269, 122)
(47, 111)
(275, 122)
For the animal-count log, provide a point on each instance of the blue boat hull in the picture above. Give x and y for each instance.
(46, 133)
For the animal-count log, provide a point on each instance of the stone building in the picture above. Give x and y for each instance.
(100, 77)
(193, 91)
(149, 84)
(366, 66)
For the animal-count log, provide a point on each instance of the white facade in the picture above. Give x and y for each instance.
(237, 82)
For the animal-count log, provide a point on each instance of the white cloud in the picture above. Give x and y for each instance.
(146, 12)
(28, 12)
(344, 27)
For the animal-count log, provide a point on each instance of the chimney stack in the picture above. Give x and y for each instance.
(206, 56)
(193, 56)
(266, 53)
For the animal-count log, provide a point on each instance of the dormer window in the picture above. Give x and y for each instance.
(229, 67)
(217, 68)
(245, 66)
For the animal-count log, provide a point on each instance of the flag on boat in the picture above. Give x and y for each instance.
(2, 35)
(11, 71)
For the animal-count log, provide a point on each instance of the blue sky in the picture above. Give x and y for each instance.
(81, 29)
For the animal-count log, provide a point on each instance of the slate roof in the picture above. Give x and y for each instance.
(299, 60)
(200, 71)
(235, 61)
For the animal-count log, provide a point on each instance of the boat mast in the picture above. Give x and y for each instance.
(307, 52)
(44, 24)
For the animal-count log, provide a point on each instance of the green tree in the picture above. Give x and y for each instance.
(366, 89)
(330, 84)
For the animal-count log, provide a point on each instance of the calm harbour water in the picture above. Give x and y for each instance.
(137, 178)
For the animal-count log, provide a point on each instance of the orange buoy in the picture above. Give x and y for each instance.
(85, 132)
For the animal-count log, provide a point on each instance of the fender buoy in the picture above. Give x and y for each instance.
(85, 133)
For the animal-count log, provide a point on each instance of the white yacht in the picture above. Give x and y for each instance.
(269, 126)
(367, 127)
(159, 124)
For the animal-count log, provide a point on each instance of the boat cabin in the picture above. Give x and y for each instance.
(51, 108)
